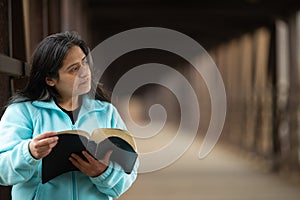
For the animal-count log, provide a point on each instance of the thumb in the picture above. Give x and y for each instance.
(107, 156)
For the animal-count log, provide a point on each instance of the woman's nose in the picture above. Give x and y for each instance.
(84, 70)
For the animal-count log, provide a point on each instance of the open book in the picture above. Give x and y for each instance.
(97, 144)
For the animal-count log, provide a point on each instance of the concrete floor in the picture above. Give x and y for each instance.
(224, 175)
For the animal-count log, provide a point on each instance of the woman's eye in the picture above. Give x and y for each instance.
(76, 68)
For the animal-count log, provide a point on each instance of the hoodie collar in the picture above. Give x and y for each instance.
(88, 104)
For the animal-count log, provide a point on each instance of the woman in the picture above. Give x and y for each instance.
(58, 96)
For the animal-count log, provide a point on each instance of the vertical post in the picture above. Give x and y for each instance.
(5, 48)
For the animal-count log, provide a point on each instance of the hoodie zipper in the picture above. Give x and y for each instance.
(74, 186)
(73, 127)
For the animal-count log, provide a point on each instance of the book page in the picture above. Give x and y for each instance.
(101, 134)
(77, 132)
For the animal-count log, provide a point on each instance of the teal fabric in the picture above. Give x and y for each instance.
(23, 121)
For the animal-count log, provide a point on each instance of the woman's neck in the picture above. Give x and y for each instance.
(69, 104)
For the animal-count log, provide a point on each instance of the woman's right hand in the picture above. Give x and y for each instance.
(41, 145)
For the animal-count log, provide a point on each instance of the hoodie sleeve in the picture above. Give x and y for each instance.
(16, 163)
(114, 181)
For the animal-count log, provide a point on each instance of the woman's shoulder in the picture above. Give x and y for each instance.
(19, 103)
(20, 108)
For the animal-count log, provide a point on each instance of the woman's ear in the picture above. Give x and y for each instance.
(50, 81)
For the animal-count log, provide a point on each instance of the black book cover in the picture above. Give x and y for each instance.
(97, 144)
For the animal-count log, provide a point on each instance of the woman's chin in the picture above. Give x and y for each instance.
(83, 89)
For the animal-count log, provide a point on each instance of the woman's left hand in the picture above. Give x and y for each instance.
(91, 167)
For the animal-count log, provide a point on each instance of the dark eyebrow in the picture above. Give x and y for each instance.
(75, 63)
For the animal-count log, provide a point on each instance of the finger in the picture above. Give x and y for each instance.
(90, 158)
(52, 145)
(46, 141)
(81, 164)
(46, 147)
(42, 149)
(45, 135)
(75, 156)
(75, 162)
(79, 160)
(40, 152)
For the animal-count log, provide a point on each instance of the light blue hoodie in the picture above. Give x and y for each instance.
(23, 121)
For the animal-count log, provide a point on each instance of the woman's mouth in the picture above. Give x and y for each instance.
(84, 82)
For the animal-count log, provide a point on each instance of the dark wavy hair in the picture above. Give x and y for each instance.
(47, 60)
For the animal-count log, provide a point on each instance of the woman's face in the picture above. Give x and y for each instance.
(74, 76)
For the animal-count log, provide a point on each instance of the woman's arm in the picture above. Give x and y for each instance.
(16, 163)
(114, 181)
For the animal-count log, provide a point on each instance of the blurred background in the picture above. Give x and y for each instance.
(256, 47)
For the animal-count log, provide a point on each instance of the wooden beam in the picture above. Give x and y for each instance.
(13, 67)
